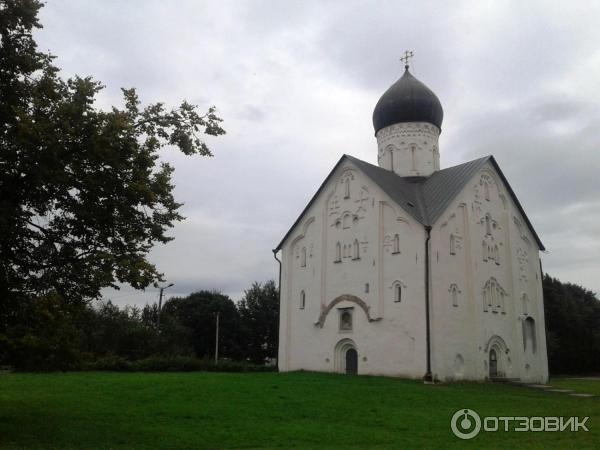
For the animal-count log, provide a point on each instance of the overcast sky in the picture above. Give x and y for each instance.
(296, 84)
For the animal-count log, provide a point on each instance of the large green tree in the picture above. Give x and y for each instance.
(259, 314)
(83, 194)
(198, 313)
(572, 315)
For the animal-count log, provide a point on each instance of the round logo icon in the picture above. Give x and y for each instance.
(465, 424)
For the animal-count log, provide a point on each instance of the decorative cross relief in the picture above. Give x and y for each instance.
(362, 200)
(458, 241)
(349, 201)
(388, 242)
(523, 261)
(334, 205)
(476, 194)
(522, 233)
(364, 244)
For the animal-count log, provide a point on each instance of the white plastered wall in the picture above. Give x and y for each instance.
(389, 336)
(462, 335)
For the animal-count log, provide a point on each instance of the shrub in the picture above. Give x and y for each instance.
(160, 363)
(111, 362)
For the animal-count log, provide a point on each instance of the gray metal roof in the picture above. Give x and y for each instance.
(424, 198)
(403, 190)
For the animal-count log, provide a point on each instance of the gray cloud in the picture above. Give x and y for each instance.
(296, 83)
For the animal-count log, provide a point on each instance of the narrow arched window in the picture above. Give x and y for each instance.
(452, 244)
(529, 335)
(303, 257)
(302, 299)
(347, 188)
(488, 224)
(396, 244)
(347, 221)
(398, 293)
(413, 157)
(484, 250)
(524, 301)
(486, 190)
(338, 252)
(454, 295)
(496, 254)
(356, 249)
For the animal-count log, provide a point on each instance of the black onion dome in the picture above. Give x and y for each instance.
(407, 100)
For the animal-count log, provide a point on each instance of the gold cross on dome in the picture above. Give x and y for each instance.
(406, 58)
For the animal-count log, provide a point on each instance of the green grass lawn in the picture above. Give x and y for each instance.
(258, 410)
(578, 385)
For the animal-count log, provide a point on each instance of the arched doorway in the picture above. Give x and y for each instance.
(493, 363)
(351, 361)
(346, 357)
(498, 363)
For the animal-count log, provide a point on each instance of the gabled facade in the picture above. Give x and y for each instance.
(408, 270)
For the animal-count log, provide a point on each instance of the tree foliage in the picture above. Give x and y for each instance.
(572, 316)
(56, 334)
(83, 195)
(47, 339)
(198, 313)
(259, 314)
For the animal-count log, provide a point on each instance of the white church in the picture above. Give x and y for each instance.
(406, 269)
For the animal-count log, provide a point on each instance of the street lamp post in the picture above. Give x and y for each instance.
(160, 303)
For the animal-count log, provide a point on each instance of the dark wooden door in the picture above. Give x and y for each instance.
(351, 361)
(493, 364)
